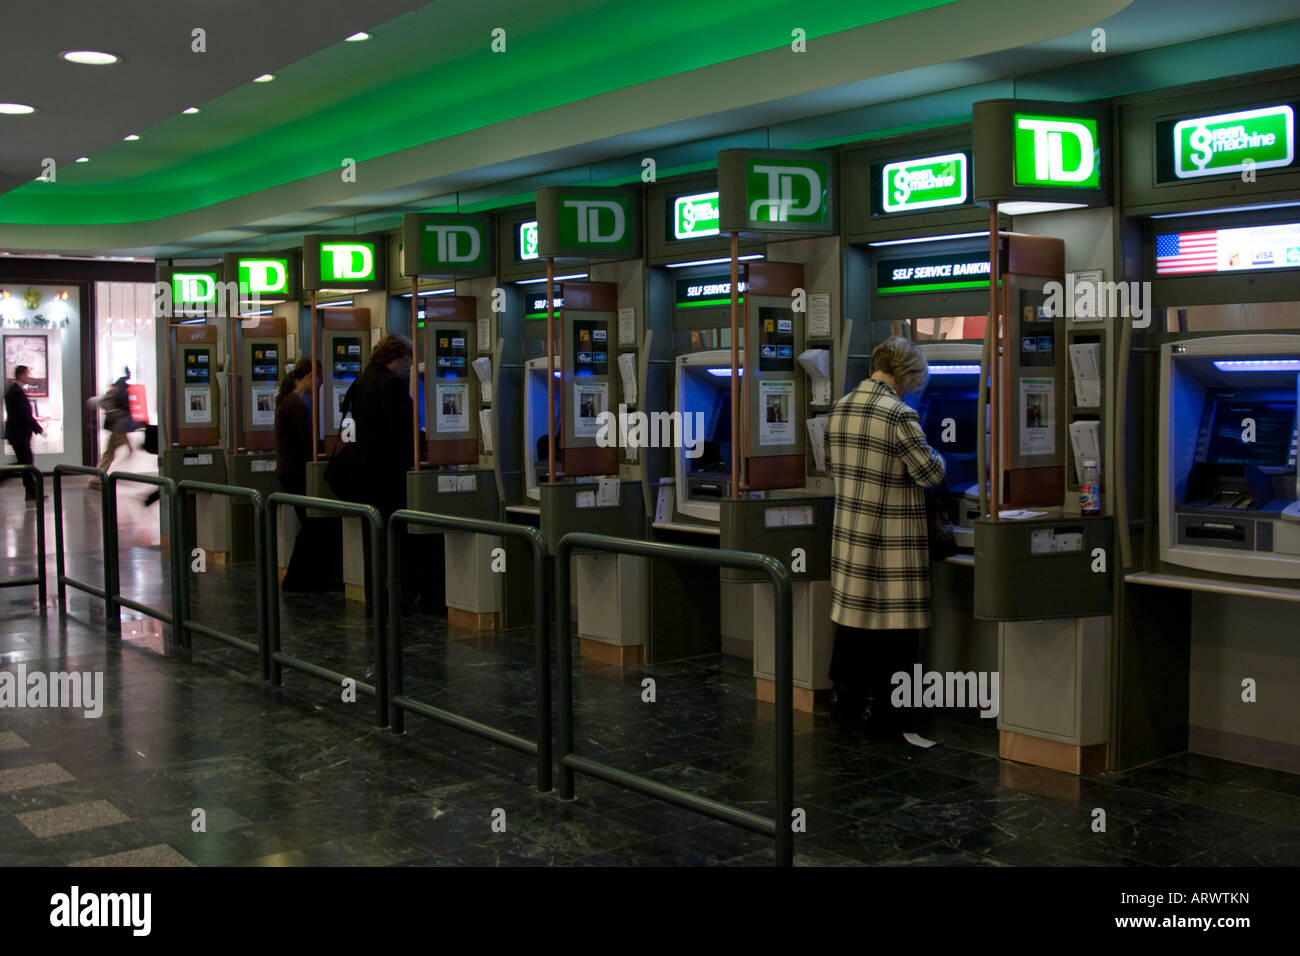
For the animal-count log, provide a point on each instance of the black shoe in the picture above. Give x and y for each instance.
(848, 707)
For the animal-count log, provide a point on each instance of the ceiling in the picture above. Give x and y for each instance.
(433, 117)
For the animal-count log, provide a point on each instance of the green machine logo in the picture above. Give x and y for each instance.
(695, 216)
(786, 192)
(452, 244)
(194, 288)
(1056, 151)
(924, 183)
(528, 240)
(263, 276)
(347, 261)
(1231, 142)
(596, 223)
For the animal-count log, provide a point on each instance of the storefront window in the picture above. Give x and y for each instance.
(125, 344)
(40, 327)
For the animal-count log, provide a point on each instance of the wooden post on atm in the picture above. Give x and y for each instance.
(550, 369)
(315, 399)
(415, 371)
(735, 366)
(994, 329)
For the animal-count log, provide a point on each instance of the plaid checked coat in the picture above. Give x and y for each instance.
(880, 561)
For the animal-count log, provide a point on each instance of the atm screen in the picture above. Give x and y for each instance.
(776, 340)
(198, 370)
(937, 406)
(347, 359)
(1224, 430)
(590, 348)
(715, 456)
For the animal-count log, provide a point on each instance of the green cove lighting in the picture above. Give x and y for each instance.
(924, 183)
(1232, 142)
(786, 191)
(1057, 151)
(695, 216)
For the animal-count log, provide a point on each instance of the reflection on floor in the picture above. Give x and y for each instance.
(302, 778)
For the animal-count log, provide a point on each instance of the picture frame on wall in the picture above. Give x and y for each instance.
(32, 351)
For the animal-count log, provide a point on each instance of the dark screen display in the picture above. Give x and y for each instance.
(347, 358)
(1222, 432)
(775, 339)
(266, 364)
(590, 348)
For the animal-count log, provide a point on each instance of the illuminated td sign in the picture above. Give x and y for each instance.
(1056, 151)
(593, 221)
(695, 216)
(786, 192)
(347, 261)
(263, 276)
(924, 183)
(1232, 142)
(194, 288)
(455, 244)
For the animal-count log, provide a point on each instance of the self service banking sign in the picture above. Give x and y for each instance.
(1225, 143)
(590, 222)
(447, 245)
(776, 191)
(343, 262)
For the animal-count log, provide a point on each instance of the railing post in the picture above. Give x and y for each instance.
(562, 612)
(784, 745)
(541, 637)
(396, 717)
(40, 537)
(180, 567)
(259, 559)
(181, 564)
(112, 575)
(61, 589)
(276, 669)
(378, 558)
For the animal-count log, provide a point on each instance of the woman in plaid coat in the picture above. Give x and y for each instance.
(880, 461)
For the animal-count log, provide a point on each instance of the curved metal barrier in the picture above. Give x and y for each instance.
(39, 579)
(400, 703)
(261, 553)
(61, 579)
(779, 826)
(277, 659)
(115, 599)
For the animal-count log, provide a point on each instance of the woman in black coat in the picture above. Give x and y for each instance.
(316, 563)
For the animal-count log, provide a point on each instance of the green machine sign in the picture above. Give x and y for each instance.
(192, 288)
(776, 191)
(695, 215)
(263, 276)
(528, 240)
(447, 245)
(1057, 151)
(588, 222)
(1231, 142)
(924, 183)
(343, 262)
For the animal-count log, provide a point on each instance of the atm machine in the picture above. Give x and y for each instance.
(193, 448)
(344, 353)
(948, 410)
(1229, 498)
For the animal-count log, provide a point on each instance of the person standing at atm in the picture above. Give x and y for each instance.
(880, 462)
(316, 562)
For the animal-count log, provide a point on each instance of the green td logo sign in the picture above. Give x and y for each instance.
(194, 288)
(598, 223)
(924, 183)
(1056, 151)
(785, 191)
(1231, 142)
(347, 261)
(451, 244)
(264, 276)
(695, 215)
(528, 240)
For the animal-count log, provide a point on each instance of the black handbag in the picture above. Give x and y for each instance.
(342, 470)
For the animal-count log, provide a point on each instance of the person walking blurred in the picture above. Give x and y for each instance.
(116, 403)
(21, 425)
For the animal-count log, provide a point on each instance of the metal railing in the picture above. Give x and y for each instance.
(115, 599)
(779, 827)
(277, 659)
(262, 554)
(39, 579)
(399, 703)
(61, 579)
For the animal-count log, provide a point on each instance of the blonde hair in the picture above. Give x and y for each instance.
(904, 361)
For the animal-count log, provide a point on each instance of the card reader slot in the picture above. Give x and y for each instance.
(1216, 532)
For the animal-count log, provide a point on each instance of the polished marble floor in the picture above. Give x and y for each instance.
(300, 777)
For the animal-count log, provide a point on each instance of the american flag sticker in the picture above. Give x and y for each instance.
(1183, 252)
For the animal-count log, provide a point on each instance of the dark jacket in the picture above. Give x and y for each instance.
(117, 407)
(20, 423)
(293, 442)
(380, 406)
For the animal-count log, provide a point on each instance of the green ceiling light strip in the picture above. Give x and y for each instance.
(245, 148)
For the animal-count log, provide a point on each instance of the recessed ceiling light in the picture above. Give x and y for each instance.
(190, 110)
(358, 37)
(16, 109)
(83, 159)
(130, 137)
(264, 78)
(90, 57)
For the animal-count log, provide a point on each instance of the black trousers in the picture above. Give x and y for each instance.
(864, 661)
(23, 451)
(423, 567)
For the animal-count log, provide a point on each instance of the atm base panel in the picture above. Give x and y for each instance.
(1052, 754)
(805, 700)
(616, 655)
(473, 621)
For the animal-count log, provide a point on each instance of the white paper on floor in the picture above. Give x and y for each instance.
(916, 740)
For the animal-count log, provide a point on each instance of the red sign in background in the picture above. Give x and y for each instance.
(139, 404)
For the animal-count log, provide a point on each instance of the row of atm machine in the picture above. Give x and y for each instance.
(1104, 628)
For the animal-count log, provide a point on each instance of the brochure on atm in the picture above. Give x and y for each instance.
(485, 429)
(817, 363)
(1085, 360)
(627, 375)
(1085, 437)
(817, 438)
(483, 369)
